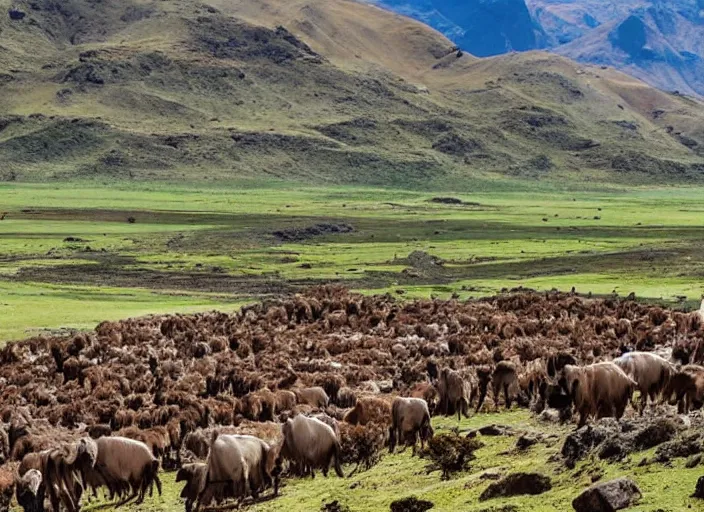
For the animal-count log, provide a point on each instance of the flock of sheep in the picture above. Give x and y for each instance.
(236, 402)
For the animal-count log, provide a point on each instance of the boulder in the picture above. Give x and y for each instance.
(699, 489)
(411, 504)
(495, 430)
(525, 441)
(16, 14)
(608, 496)
(517, 484)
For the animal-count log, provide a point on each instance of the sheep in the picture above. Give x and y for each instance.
(455, 393)
(197, 444)
(195, 476)
(503, 378)
(227, 472)
(368, 410)
(346, 398)
(259, 464)
(59, 470)
(315, 396)
(600, 389)
(285, 400)
(122, 464)
(650, 371)
(427, 392)
(237, 465)
(311, 444)
(410, 418)
(687, 386)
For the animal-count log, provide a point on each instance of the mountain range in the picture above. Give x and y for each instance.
(658, 41)
(317, 92)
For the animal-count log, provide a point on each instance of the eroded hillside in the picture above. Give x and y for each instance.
(320, 92)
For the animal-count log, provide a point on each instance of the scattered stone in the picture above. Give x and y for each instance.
(525, 441)
(654, 434)
(495, 430)
(502, 508)
(334, 506)
(446, 200)
(683, 446)
(16, 15)
(411, 504)
(490, 475)
(73, 239)
(517, 484)
(699, 489)
(608, 496)
(320, 229)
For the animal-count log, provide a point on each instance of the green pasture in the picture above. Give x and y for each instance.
(76, 253)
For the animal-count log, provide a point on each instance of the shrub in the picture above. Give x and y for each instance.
(362, 445)
(450, 453)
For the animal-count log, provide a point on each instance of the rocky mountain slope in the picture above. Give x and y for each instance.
(319, 91)
(659, 41)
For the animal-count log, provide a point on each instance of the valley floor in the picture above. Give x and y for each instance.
(72, 255)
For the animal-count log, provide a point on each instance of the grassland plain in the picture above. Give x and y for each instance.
(663, 488)
(74, 254)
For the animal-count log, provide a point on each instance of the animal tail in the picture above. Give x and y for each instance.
(464, 406)
(338, 467)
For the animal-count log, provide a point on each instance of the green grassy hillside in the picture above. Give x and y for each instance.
(664, 487)
(331, 92)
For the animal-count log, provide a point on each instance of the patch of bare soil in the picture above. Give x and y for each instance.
(316, 230)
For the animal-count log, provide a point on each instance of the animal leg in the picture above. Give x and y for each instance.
(507, 397)
(643, 401)
(482, 396)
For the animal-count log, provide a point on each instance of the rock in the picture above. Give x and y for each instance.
(385, 386)
(608, 496)
(16, 14)
(334, 506)
(699, 489)
(693, 461)
(411, 504)
(658, 432)
(490, 475)
(525, 441)
(495, 430)
(517, 484)
(684, 445)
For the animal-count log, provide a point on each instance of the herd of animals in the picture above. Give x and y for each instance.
(236, 402)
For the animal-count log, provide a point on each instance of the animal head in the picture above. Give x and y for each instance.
(29, 484)
(568, 380)
(84, 451)
(189, 471)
